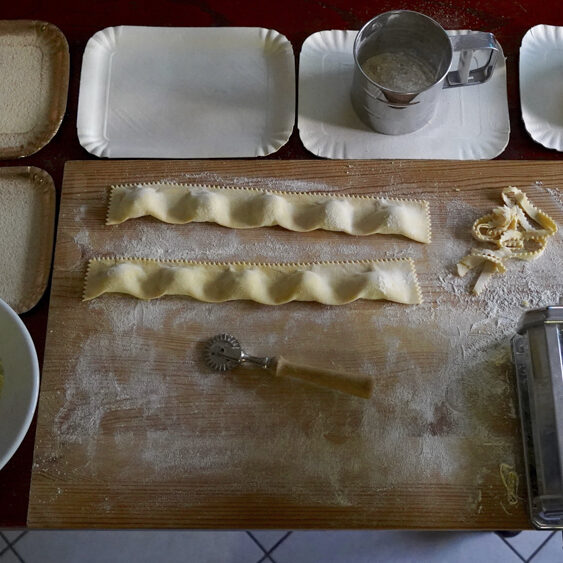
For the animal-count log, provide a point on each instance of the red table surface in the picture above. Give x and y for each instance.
(508, 20)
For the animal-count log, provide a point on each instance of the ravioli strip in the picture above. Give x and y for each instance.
(331, 283)
(247, 208)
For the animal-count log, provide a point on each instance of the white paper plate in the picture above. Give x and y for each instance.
(20, 389)
(158, 92)
(471, 124)
(541, 84)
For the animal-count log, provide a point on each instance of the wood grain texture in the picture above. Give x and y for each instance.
(358, 385)
(134, 431)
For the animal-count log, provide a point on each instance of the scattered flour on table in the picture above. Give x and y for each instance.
(253, 182)
(82, 239)
(556, 195)
(165, 242)
(450, 359)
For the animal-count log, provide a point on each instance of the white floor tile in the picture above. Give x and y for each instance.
(396, 547)
(268, 538)
(138, 546)
(525, 543)
(12, 535)
(9, 557)
(552, 551)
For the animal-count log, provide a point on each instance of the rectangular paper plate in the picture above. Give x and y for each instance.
(471, 124)
(158, 92)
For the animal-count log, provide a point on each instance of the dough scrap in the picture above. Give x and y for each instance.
(331, 283)
(509, 230)
(246, 208)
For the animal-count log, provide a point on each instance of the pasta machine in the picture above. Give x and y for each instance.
(537, 349)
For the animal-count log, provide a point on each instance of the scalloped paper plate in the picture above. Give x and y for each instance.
(165, 92)
(472, 123)
(541, 84)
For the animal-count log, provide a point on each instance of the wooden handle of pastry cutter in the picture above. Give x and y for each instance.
(359, 385)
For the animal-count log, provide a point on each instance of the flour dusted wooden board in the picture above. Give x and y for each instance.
(135, 431)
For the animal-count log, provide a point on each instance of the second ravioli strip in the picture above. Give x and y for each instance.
(246, 208)
(331, 283)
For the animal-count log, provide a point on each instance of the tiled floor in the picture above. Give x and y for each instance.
(277, 547)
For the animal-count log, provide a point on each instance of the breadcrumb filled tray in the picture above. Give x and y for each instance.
(34, 66)
(27, 225)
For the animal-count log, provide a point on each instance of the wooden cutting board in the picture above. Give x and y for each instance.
(135, 431)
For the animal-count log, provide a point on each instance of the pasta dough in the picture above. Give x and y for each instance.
(332, 283)
(509, 230)
(246, 208)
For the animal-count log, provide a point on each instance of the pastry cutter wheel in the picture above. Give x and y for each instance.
(223, 352)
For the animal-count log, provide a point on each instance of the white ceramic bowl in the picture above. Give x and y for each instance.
(18, 394)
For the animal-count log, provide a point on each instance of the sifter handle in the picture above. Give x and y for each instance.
(359, 385)
(467, 45)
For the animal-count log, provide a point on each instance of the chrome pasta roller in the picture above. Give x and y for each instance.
(223, 352)
(537, 350)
